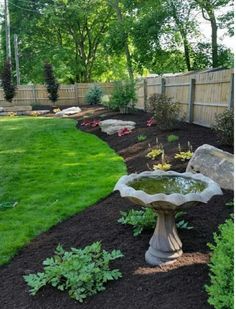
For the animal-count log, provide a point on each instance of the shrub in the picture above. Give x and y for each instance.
(146, 218)
(172, 138)
(94, 95)
(141, 138)
(221, 265)
(83, 272)
(123, 96)
(51, 83)
(8, 87)
(165, 112)
(224, 127)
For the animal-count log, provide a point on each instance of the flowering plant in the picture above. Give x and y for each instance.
(123, 132)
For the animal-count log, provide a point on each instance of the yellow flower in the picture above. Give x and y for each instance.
(162, 166)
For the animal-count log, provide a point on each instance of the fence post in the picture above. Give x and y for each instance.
(231, 93)
(145, 93)
(191, 99)
(76, 94)
(163, 85)
(34, 94)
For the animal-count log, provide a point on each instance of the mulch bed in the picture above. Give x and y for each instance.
(177, 286)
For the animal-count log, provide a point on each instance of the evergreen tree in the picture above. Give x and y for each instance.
(51, 82)
(7, 84)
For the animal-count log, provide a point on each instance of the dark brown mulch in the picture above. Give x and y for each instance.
(178, 286)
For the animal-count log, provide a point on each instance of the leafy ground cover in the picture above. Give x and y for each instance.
(49, 171)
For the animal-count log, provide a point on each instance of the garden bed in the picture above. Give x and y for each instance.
(180, 285)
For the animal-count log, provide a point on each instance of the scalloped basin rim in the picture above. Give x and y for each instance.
(212, 188)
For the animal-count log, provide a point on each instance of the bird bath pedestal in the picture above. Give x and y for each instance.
(166, 193)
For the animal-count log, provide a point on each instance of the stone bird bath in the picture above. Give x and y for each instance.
(166, 193)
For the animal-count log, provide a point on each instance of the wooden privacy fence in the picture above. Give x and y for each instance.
(200, 95)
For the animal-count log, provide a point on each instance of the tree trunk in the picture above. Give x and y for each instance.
(214, 45)
(187, 53)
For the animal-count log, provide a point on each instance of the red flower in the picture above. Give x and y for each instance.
(95, 123)
(150, 122)
(123, 132)
(86, 122)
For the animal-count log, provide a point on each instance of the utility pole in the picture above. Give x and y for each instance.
(7, 30)
(17, 59)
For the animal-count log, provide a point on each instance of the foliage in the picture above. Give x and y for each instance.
(7, 84)
(44, 163)
(94, 95)
(154, 153)
(141, 138)
(184, 155)
(172, 138)
(221, 287)
(224, 127)
(82, 272)
(162, 166)
(146, 218)
(165, 112)
(123, 95)
(51, 83)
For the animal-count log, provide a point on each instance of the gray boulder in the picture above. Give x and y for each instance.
(214, 163)
(112, 126)
(68, 111)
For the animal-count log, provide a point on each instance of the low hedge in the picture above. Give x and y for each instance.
(220, 289)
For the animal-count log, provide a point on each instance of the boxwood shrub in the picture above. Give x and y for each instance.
(220, 289)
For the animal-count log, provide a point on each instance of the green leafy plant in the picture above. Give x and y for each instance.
(165, 112)
(141, 138)
(123, 96)
(172, 138)
(164, 165)
(82, 272)
(94, 95)
(154, 153)
(146, 218)
(7, 84)
(224, 127)
(51, 83)
(184, 155)
(221, 287)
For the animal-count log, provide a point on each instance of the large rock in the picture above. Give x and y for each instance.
(68, 111)
(112, 126)
(214, 163)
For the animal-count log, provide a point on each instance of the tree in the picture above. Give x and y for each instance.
(51, 83)
(208, 9)
(7, 84)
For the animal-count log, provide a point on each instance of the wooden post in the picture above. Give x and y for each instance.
(145, 93)
(231, 93)
(163, 84)
(34, 94)
(76, 94)
(191, 99)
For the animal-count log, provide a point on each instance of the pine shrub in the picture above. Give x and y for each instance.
(94, 95)
(7, 84)
(51, 83)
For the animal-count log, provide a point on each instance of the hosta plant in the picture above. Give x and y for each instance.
(154, 153)
(81, 272)
(184, 155)
(146, 218)
(164, 165)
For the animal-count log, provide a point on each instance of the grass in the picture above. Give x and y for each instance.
(49, 171)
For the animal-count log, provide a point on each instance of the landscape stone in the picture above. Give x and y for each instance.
(68, 111)
(214, 163)
(112, 126)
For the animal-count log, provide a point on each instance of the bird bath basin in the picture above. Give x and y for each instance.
(166, 193)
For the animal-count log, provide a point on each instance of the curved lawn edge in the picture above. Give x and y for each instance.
(53, 171)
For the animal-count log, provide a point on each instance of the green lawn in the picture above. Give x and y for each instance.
(52, 170)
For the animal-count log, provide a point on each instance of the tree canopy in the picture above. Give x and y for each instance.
(102, 40)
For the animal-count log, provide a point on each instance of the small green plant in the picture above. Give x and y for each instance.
(141, 138)
(224, 127)
(184, 155)
(146, 218)
(165, 112)
(82, 272)
(172, 138)
(221, 287)
(123, 96)
(94, 95)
